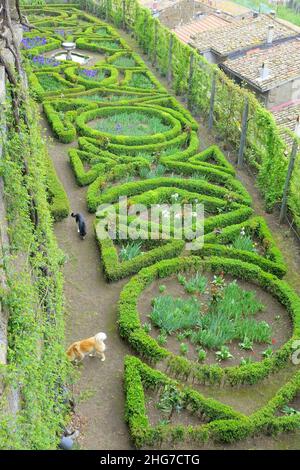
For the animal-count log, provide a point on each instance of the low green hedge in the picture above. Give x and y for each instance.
(271, 261)
(73, 76)
(84, 129)
(63, 131)
(138, 377)
(221, 423)
(114, 269)
(58, 199)
(41, 94)
(191, 185)
(130, 325)
(88, 44)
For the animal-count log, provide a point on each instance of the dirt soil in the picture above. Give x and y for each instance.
(281, 327)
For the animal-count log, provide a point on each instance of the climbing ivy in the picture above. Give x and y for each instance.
(37, 366)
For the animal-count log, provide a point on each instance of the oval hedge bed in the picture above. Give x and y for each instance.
(131, 328)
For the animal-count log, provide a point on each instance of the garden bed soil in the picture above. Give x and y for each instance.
(184, 417)
(281, 328)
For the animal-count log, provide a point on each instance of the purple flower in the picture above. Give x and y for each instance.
(44, 61)
(29, 43)
(89, 73)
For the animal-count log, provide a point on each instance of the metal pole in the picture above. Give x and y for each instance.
(244, 133)
(124, 14)
(155, 43)
(169, 77)
(190, 84)
(212, 101)
(288, 178)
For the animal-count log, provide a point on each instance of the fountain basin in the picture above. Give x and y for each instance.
(68, 53)
(75, 57)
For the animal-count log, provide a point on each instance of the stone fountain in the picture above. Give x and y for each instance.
(69, 53)
(69, 47)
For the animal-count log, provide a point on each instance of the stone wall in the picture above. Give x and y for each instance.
(3, 229)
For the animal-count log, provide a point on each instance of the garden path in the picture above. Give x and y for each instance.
(91, 307)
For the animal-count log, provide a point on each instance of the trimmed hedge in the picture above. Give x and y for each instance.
(221, 422)
(130, 326)
(138, 376)
(86, 116)
(57, 197)
(40, 92)
(73, 76)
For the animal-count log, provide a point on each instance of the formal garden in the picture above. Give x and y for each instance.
(200, 325)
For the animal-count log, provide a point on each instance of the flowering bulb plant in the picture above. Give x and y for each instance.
(89, 73)
(41, 61)
(29, 43)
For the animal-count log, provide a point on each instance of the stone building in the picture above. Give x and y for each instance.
(271, 72)
(241, 36)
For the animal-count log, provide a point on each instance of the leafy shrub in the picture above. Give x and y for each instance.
(172, 314)
(130, 251)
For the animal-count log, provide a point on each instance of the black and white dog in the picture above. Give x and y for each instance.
(81, 224)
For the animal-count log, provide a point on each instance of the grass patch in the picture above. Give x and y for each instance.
(50, 83)
(140, 80)
(135, 123)
(173, 314)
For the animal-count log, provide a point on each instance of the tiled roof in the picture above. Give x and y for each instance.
(205, 23)
(161, 4)
(241, 35)
(282, 61)
(286, 119)
(231, 8)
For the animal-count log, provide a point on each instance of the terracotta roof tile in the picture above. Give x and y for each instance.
(282, 62)
(286, 119)
(241, 35)
(205, 23)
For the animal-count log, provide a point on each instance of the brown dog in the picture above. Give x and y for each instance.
(92, 346)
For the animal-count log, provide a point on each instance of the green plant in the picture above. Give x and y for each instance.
(184, 349)
(196, 284)
(201, 354)
(173, 314)
(288, 410)
(246, 344)
(130, 250)
(181, 336)
(162, 338)
(147, 327)
(170, 400)
(223, 354)
(268, 352)
(244, 242)
(162, 288)
(246, 361)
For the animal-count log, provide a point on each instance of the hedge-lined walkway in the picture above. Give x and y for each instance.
(91, 307)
